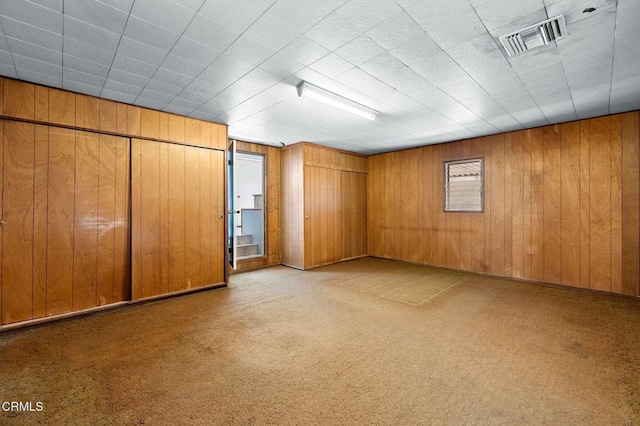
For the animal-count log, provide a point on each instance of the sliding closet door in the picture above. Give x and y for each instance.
(65, 215)
(353, 205)
(177, 218)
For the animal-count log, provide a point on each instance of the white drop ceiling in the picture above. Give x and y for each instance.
(434, 69)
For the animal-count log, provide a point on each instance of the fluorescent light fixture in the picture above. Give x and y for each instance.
(334, 100)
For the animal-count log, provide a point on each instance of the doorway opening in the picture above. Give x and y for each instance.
(246, 190)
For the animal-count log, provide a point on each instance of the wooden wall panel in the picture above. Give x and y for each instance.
(87, 112)
(85, 229)
(62, 107)
(292, 205)
(17, 238)
(561, 205)
(552, 208)
(40, 219)
(107, 216)
(27, 101)
(19, 99)
(178, 236)
(630, 135)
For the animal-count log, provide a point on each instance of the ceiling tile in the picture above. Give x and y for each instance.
(140, 51)
(55, 5)
(234, 14)
(118, 86)
(163, 13)
(150, 34)
(497, 13)
(127, 77)
(417, 49)
(182, 65)
(97, 14)
(364, 17)
(448, 23)
(31, 14)
(34, 51)
(331, 65)
(131, 65)
(395, 31)
(39, 78)
(299, 15)
(123, 5)
(304, 50)
(118, 96)
(90, 53)
(249, 51)
(83, 78)
(360, 50)
(8, 70)
(76, 86)
(31, 34)
(90, 34)
(162, 87)
(78, 64)
(332, 32)
(22, 62)
(210, 34)
(195, 51)
(271, 32)
(281, 65)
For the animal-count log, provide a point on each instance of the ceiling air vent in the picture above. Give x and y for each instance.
(536, 35)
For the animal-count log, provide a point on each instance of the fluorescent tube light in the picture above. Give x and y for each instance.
(334, 100)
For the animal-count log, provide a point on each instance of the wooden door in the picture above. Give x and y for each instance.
(177, 218)
(65, 243)
(353, 205)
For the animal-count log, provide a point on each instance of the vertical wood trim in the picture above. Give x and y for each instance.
(122, 222)
(42, 104)
(585, 203)
(85, 233)
(136, 219)
(570, 196)
(537, 204)
(616, 203)
(40, 201)
(552, 208)
(630, 203)
(600, 207)
(192, 213)
(106, 220)
(61, 217)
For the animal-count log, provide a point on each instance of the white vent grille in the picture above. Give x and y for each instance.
(536, 35)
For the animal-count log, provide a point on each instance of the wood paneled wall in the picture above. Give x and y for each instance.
(560, 205)
(272, 205)
(292, 205)
(177, 197)
(31, 102)
(65, 246)
(323, 205)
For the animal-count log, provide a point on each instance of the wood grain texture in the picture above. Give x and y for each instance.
(2, 124)
(27, 101)
(62, 107)
(106, 225)
(61, 217)
(17, 235)
(40, 222)
(41, 104)
(176, 207)
(552, 207)
(293, 205)
(561, 205)
(108, 116)
(19, 99)
(85, 229)
(87, 112)
(631, 203)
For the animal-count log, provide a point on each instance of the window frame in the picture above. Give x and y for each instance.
(445, 187)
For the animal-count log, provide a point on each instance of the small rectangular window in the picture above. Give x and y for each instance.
(463, 185)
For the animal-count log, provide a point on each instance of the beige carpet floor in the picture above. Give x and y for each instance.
(363, 342)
